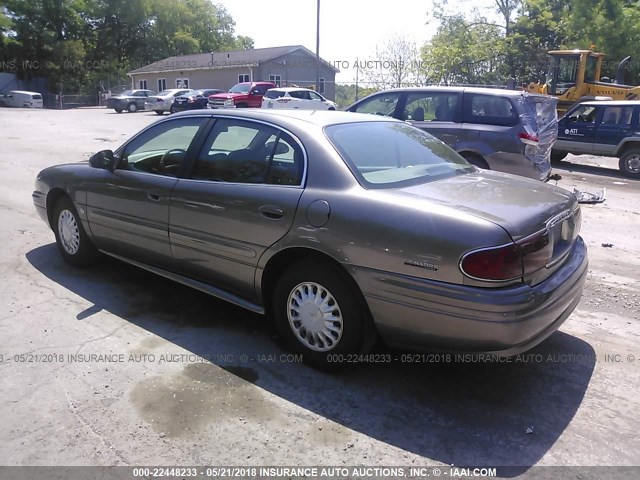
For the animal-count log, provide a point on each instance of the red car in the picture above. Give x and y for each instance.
(241, 95)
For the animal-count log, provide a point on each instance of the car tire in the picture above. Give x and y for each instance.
(2, 104)
(159, 112)
(630, 163)
(118, 110)
(298, 295)
(242, 105)
(557, 157)
(172, 110)
(132, 108)
(72, 240)
(476, 160)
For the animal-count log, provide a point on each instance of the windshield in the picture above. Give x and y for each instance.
(127, 93)
(562, 73)
(394, 154)
(240, 88)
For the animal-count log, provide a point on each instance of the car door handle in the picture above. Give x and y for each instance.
(271, 212)
(156, 197)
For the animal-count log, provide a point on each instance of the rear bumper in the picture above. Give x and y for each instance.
(423, 314)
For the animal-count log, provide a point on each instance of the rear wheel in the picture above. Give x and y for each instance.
(159, 112)
(118, 110)
(630, 163)
(557, 157)
(319, 314)
(476, 160)
(132, 107)
(172, 110)
(71, 238)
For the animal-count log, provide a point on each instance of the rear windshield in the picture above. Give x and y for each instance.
(394, 154)
(274, 94)
(37, 96)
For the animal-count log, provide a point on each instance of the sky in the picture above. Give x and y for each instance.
(349, 29)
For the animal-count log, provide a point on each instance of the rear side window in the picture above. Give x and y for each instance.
(617, 116)
(36, 97)
(489, 110)
(301, 94)
(274, 94)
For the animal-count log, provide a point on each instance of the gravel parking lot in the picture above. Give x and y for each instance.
(115, 366)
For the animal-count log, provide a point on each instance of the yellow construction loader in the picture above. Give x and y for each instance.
(574, 75)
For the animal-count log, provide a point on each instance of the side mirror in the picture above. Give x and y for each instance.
(104, 159)
(255, 92)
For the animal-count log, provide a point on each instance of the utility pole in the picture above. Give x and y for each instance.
(317, 85)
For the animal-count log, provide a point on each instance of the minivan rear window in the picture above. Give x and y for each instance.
(489, 110)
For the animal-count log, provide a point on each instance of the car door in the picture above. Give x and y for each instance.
(317, 101)
(437, 113)
(240, 199)
(576, 130)
(613, 127)
(140, 97)
(128, 209)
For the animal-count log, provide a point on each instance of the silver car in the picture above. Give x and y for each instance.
(341, 227)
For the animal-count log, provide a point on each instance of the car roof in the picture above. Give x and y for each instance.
(320, 118)
(614, 103)
(440, 88)
(290, 89)
(24, 91)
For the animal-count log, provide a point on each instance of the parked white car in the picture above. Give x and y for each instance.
(21, 99)
(163, 101)
(296, 98)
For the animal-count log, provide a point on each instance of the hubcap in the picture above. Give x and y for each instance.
(633, 163)
(68, 232)
(315, 316)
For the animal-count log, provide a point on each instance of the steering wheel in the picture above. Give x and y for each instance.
(171, 161)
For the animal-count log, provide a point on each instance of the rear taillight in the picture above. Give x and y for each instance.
(508, 262)
(497, 264)
(529, 138)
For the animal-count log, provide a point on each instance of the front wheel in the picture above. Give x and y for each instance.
(630, 163)
(118, 110)
(159, 112)
(320, 315)
(71, 238)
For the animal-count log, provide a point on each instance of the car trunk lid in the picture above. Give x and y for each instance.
(521, 206)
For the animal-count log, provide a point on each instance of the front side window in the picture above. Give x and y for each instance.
(239, 151)
(394, 154)
(382, 104)
(431, 107)
(583, 114)
(162, 148)
(315, 96)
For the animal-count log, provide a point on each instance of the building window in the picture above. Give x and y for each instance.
(244, 77)
(321, 85)
(162, 84)
(143, 85)
(275, 79)
(182, 83)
